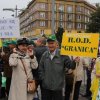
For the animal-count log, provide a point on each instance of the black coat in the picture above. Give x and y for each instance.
(39, 52)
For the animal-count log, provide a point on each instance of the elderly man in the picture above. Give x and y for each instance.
(51, 71)
(39, 50)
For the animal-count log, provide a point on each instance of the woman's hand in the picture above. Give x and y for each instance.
(30, 53)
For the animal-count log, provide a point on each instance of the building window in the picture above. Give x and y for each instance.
(42, 14)
(85, 27)
(88, 19)
(82, 9)
(55, 7)
(85, 19)
(88, 12)
(79, 25)
(70, 17)
(42, 6)
(78, 8)
(69, 9)
(78, 17)
(61, 17)
(42, 32)
(61, 8)
(69, 25)
(42, 23)
(33, 24)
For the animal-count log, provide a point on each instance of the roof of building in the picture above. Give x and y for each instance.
(77, 1)
(83, 1)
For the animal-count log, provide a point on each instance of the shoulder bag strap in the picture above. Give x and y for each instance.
(24, 67)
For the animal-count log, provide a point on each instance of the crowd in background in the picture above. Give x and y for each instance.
(52, 71)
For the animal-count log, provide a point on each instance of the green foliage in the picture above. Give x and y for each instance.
(94, 24)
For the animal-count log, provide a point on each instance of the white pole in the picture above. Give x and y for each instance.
(16, 12)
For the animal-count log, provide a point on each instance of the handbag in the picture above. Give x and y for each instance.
(31, 84)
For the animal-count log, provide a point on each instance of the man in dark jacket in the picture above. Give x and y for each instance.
(39, 50)
(52, 71)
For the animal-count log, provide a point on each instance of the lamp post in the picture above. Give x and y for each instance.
(13, 10)
(61, 17)
(53, 16)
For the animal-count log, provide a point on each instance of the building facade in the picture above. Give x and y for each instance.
(72, 15)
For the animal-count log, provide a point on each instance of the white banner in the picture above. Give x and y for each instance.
(9, 28)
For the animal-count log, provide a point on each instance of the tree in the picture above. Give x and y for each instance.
(94, 24)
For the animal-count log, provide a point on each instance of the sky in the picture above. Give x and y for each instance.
(21, 5)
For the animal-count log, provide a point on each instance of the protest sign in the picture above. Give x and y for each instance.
(80, 44)
(9, 28)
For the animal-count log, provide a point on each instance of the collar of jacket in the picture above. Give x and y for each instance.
(20, 55)
(57, 53)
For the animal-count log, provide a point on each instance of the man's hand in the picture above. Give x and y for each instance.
(77, 59)
(15, 50)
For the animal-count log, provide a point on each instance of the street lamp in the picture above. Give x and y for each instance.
(13, 10)
(61, 17)
(53, 16)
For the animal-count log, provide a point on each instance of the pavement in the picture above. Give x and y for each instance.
(82, 98)
(82, 92)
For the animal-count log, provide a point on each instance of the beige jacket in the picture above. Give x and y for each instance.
(79, 71)
(18, 90)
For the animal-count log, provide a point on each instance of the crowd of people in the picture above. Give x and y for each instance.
(41, 60)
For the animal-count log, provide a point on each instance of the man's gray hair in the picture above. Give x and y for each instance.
(43, 41)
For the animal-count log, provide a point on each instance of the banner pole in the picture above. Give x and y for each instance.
(73, 89)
